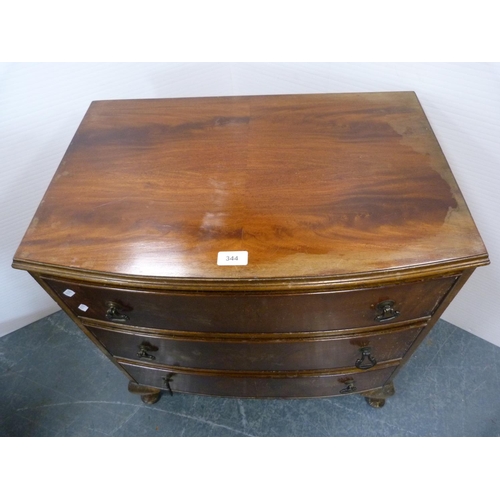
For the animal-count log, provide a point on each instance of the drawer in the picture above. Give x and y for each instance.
(249, 354)
(254, 312)
(275, 386)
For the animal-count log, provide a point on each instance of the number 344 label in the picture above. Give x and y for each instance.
(232, 258)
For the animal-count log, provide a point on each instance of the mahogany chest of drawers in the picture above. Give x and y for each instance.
(265, 246)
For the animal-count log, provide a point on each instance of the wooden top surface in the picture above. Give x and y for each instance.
(321, 185)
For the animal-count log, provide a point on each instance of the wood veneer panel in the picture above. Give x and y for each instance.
(309, 185)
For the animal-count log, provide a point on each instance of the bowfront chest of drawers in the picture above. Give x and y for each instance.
(267, 246)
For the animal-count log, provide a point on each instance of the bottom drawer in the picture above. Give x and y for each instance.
(277, 385)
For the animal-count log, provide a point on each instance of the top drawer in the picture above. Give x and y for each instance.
(254, 312)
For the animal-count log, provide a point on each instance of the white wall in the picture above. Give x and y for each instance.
(41, 105)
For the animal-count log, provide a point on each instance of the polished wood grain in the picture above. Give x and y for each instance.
(327, 186)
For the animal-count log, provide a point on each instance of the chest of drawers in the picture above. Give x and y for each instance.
(265, 246)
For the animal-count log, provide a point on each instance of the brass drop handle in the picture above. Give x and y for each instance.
(113, 313)
(166, 380)
(386, 311)
(349, 387)
(367, 360)
(143, 352)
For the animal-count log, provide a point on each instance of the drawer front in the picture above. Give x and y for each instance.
(254, 312)
(300, 354)
(260, 387)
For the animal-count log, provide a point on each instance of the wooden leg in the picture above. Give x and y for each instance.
(149, 395)
(377, 397)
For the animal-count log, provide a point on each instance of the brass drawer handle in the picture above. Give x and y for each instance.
(386, 311)
(143, 351)
(166, 380)
(113, 313)
(349, 387)
(366, 353)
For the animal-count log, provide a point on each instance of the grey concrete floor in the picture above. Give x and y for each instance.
(55, 382)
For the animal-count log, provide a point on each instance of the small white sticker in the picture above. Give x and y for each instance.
(232, 258)
(69, 293)
(83, 307)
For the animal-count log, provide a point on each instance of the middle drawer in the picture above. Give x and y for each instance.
(251, 354)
